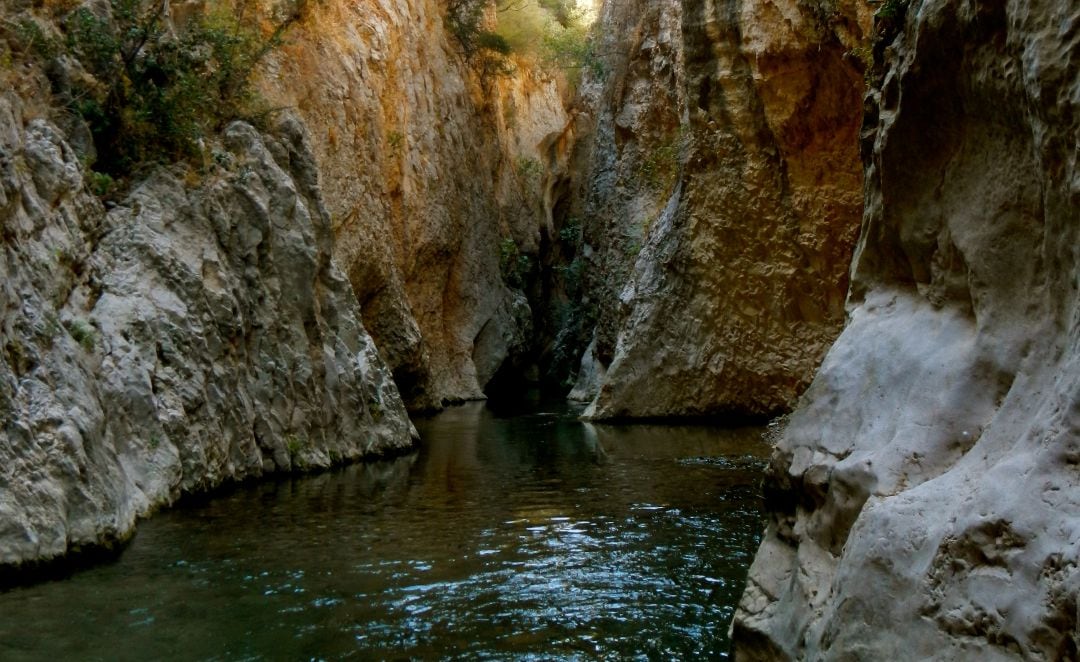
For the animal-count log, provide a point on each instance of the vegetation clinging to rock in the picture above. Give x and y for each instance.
(149, 90)
(554, 33)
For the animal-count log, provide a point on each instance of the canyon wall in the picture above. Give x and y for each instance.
(434, 175)
(721, 201)
(196, 332)
(199, 330)
(924, 500)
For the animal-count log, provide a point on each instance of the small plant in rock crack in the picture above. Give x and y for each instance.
(513, 264)
(529, 168)
(101, 183)
(573, 276)
(571, 230)
(395, 139)
(294, 446)
(82, 333)
(892, 10)
(661, 164)
(375, 409)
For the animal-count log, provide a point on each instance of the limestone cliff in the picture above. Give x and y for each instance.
(431, 172)
(721, 202)
(196, 332)
(924, 501)
(199, 330)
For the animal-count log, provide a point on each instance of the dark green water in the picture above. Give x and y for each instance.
(530, 536)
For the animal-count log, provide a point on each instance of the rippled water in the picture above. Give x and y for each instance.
(528, 536)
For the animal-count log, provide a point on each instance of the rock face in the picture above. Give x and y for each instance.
(433, 174)
(723, 202)
(925, 498)
(197, 332)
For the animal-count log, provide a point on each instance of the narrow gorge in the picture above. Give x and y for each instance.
(274, 239)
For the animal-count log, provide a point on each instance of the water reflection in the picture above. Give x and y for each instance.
(527, 534)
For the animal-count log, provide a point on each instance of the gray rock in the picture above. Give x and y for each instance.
(199, 332)
(924, 501)
(590, 377)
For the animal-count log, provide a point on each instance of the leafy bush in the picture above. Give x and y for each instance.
(101, 184)
(295, 446)
(31, 40)
(892, 10)
(493, 42)
(659, 166)
(485, 50)
(571, 230)
(513, 264)
(82, 333)
(529, 168)
(465, 20)
(153, 92)
(573, 276)
(553, 32)
(572, 50)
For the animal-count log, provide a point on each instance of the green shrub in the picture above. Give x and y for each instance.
(294, 446)
(660, 165)
(573, 276)
(572, 50)
(82, 333)
(100, 183)
(464, 19)
(375, 409)
(529, 168)
(154, 94)
(493, 42)
(514, 265)
(892, 10)
(571, 230)
(31, 40)
(553, 32)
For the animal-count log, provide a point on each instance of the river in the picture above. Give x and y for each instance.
(516, 534)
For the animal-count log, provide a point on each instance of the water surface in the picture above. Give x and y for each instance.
(523, 536)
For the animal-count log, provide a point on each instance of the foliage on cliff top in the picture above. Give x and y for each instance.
(555, 33)
(150, 90)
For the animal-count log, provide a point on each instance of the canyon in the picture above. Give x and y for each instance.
(859, 217)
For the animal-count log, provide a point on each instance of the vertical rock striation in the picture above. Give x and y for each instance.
(724, 202)
(924, 501)
(197, 332)
(200, 330)
(430, 171)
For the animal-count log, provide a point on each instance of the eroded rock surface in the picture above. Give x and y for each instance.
(431, 171)
(925, 498)
(724, 198)
(195, 333)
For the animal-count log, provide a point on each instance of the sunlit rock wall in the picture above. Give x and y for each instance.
(924, 501)
(429, 169)
(722, 201)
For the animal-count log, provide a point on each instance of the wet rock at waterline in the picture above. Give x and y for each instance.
(924, 501)
(195, 333)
